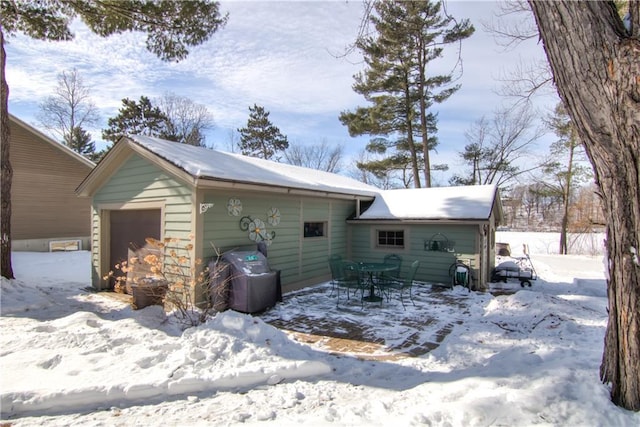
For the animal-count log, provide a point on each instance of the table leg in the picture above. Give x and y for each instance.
(372, 297)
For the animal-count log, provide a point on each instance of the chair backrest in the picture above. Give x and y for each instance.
(350, 271)
(393, 259)
(334, 265)
(412, 271)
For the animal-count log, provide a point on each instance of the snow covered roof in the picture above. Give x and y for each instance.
(437, 203)
(204, 163)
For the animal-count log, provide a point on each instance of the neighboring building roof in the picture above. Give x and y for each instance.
(51, 141)
(437, 203)
(206, 167)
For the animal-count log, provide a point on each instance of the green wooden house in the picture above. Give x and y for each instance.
(212, 200)
(148, 187)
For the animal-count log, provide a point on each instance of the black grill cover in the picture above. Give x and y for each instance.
(245, 281)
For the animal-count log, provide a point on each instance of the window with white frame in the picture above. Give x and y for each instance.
(390, 239)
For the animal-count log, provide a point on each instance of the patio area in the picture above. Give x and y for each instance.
(377, 331)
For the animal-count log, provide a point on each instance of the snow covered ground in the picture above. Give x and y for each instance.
(72, 357)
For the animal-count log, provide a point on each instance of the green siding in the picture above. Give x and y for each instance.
(300, 260)
(138, 180)
(314, 250)
(341, 210)
(434, 265)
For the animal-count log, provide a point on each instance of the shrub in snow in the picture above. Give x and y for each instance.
(164, 273)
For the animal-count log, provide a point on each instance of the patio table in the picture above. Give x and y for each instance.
(371, 269)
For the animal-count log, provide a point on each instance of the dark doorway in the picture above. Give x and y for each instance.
(129, 229)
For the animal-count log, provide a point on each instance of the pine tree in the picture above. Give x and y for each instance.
(171, 28)
(138, 118)
(260, 138)
(409, 36)
(80, 141)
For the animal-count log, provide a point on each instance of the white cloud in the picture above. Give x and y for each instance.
(281, 55)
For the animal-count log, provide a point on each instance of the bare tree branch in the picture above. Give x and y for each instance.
(69, 107)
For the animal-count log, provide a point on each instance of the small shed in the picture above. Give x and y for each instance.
(437, 226)
(46, 213)
(212, 200)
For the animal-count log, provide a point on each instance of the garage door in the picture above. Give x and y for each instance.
(129, 229)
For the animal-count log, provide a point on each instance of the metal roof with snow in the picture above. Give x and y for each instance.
(436, 203)
(204, 167)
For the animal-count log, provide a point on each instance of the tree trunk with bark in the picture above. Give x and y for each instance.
(596, 66)
(6, 270)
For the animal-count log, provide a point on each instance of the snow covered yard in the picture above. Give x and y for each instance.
(72, 357)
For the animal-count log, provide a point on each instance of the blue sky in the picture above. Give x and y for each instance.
(284, 56)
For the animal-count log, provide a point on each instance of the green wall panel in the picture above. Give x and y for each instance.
(299, 259)
(434, 265)
(138, 180)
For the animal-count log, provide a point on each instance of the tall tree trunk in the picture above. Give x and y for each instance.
(425, 145)
(563, 250)
(7, 172)
(410, 141)
(6, 270)
(596, 66)
(423, 125)
(566, 200)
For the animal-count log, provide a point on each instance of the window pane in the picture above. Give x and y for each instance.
(391, 238)
(314, 229)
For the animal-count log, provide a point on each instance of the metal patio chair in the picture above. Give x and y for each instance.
(336, 271)
(401, 284)
(392, 259)
(350, 281)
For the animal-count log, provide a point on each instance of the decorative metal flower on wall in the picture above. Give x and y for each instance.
(257, 230)
(234, 207)
(268, 238)
(273, 216)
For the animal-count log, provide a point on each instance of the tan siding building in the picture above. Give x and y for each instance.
(45, 207)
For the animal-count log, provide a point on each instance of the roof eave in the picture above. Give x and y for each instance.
(205, 182)
(121, 150)
(419, 220)
(126, 146)
(77, 156)
(497, 206)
